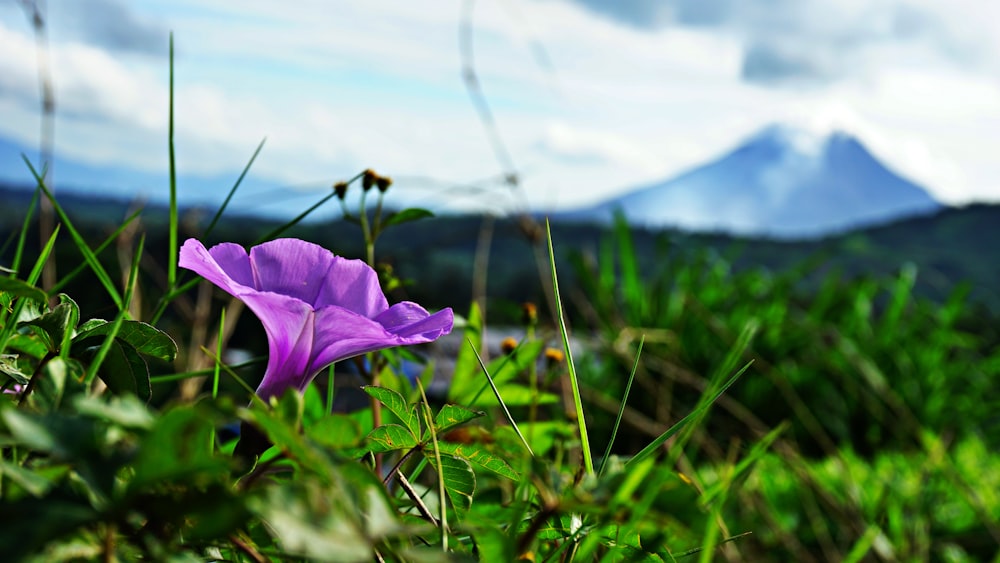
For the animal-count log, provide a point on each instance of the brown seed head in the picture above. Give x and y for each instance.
(341, 189)
(508, 345)
(529, 313)
(554, 356)
(383, 183)
(368, 179)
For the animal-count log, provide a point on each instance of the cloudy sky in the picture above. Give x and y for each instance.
(590, 97)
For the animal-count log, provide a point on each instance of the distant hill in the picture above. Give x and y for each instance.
(782, 182)
(947, 247)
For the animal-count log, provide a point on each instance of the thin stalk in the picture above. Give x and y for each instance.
(503, 405)
(172, 241)
(329, 388)
(437, 456)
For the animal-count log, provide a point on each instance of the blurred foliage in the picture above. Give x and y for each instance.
(891, 397)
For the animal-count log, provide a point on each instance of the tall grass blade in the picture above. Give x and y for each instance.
(232, 192)
(102, 352)
(8, 328)
(65, 279)
(621, 409)
(588, 460)
(278, 231)
(503, 405)
(655, 444)
(23, 236)
(172, 242)
(88, 255)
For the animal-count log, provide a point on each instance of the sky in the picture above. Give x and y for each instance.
(590, 98)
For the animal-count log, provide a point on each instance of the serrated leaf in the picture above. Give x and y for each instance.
(481, 457)
(451, 416)
(406, 215)
(144, 337)
(458, 476)
(390, 437)
(396, 404)
(21, 288)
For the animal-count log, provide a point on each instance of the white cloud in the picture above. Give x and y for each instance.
(336, 87)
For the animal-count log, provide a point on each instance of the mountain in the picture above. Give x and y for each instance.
(781, 182)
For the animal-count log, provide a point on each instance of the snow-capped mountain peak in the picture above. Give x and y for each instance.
(783, 181)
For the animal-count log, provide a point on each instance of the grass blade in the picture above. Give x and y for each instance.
(655, 444)
(172, 242)
(277, 232)
(503, 405)
(225, 203)
(133, 275)
(621, 409)
(588, 460)
(97, 252)
(88, 255)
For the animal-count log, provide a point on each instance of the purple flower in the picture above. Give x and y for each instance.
(316, 308)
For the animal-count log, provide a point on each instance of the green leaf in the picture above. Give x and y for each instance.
(516, 395)
(24, 289)
(178, 449)
(458, 476)
(58, 323)
(145, 338)
(33, 483)
(9, 367)
(396, 404)
(126, 411)
(503, 370)
(124, 370)
(465, 377)
(390, 437)
(481, 457)
(311, 521)
(451, 416)
(335, 431)
(62, 436)
(405, 216)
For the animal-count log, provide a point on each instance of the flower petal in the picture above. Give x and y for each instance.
(313, 274)
(226, 265)
(409, 320)
(290, 326)
(342, 334)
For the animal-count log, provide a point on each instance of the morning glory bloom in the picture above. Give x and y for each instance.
(316, 308)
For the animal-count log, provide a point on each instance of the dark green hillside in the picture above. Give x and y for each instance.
(951, 247)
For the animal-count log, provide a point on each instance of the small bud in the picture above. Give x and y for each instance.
(508, 345)
(368, 179)
(341, 189)
(383, 183)
(529, 314)
(553, 356)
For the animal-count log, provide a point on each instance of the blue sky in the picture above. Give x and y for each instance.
(624, 93)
